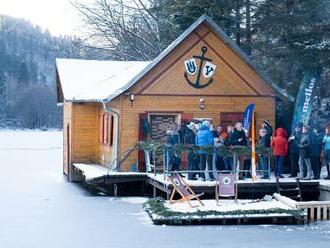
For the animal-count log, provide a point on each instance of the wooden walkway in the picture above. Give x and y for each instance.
(94, 174)
(246, 188)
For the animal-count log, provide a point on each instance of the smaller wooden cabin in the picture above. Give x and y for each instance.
(106, 103)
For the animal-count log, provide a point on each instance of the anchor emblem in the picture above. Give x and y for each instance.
(207, 71)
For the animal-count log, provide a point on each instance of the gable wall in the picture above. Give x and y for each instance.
(232, 77)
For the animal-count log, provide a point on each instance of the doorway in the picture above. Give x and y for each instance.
(231, 118)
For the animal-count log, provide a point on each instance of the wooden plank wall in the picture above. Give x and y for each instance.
(67, 115)
(265, 109)
(106, 152)
(85, 132)
(233, 77)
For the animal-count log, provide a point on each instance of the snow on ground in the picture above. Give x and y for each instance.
(226, 205)
(92, 171)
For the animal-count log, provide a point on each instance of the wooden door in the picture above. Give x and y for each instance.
(231, 118)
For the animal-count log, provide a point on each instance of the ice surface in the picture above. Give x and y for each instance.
(41, 209)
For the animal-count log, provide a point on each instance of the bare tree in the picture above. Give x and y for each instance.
(124, 28)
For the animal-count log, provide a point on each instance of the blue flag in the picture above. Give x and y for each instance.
(304, 100)
(248, 116)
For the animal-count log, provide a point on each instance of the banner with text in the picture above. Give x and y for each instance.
(304, 100)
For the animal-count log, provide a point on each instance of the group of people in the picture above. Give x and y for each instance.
(307, 149)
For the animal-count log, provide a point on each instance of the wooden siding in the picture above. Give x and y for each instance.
(106, 152)
(67, 115)
(85, 132)
(265, 109)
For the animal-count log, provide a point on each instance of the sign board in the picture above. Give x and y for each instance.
(227, 184)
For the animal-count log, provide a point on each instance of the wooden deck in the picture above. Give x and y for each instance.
(246, 188)
(94, 174)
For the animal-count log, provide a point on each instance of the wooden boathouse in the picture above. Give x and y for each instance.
(202, 74)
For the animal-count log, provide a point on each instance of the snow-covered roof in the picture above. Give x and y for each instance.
(95, 80)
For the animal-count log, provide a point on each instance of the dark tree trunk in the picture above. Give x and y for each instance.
(238, 22)
(248, 26)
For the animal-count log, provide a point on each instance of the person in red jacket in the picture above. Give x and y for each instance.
(280, 149)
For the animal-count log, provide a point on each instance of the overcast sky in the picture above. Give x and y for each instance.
(58, 16)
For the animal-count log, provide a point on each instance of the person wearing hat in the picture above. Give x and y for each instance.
(294, 141)
(193, 158)
(269, 129)
(204, 139)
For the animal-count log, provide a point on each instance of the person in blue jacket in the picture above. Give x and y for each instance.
(326, 149)
(204, 139)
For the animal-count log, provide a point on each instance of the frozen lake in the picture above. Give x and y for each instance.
(40, 209)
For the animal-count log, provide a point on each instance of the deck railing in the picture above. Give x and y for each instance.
(152, 158)
(315, 210)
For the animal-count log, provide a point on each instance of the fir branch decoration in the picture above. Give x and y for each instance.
(223, 151)
(156, 206)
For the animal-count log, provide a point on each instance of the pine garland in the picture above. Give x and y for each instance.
(223, 151)
(157, 206)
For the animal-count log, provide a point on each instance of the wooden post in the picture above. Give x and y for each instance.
(154, 193)
(312, 214)
(253, 147)
(115, 190)
(318, 213)
(325, 213)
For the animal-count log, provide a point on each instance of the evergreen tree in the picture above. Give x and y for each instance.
(23, 74)
(3, 95)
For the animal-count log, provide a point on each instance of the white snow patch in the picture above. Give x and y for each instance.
(226, 206)
(91, 171)
(93, 80)
(134, 200)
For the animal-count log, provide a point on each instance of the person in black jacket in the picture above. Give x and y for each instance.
(172, 138)
(269, 130)
(193, 157)
(305, 154)
(294, 141)
(238, 138)
(316, 148)
(264, 142)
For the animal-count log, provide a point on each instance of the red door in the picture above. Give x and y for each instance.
(227, 119)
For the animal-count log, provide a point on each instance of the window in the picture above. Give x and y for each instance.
(106, 129)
